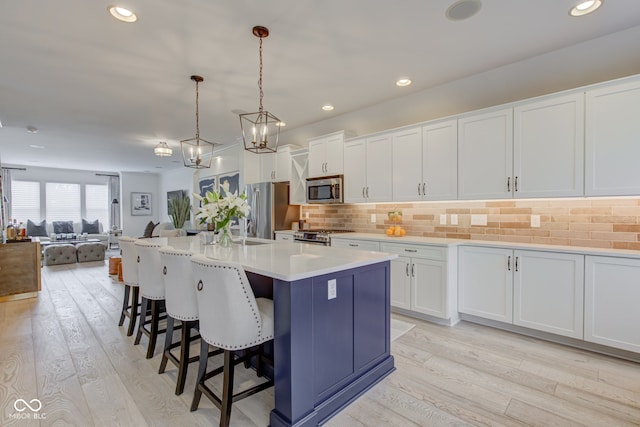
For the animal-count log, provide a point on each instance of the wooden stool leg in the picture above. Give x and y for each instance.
(153, 331)
(168, 338)
(202, 372)
(184, 356)
(135, 307)
(227, 389)
(143, 319)
(125, 304)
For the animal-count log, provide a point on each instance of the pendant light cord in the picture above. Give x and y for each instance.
(197, 117)
(260, 79)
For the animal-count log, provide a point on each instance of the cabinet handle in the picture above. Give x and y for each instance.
(406, 269)
(515, 184)
(411, 250)
(508, 184)
(367, 192)
(419, 189)
(363, 192)
(413, 270)
(424, 189)
(355, 245)
(509, 263)
(517, 263)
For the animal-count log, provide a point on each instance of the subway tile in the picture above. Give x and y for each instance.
(515, 239)
(624, 237)
(617, 201)
(491, 237)
(578, 226)
(627, 245)
(634, 228)
(458, 236)
(626, 210)
(591, 211)
(515, 225)
(506, 211)
(615, 219)
(591, 243)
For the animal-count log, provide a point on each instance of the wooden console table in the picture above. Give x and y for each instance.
(19, 270)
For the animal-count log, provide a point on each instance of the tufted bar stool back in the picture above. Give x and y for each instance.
(232, 319)
(151, 282)
(131, 300)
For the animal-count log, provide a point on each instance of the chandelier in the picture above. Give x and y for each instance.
(197, 152)
(163, 150)
(260, 130)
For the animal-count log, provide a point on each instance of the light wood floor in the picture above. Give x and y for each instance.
(65, 349)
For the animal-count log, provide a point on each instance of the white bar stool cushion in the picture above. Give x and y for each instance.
(150, 277)
(129, 260)
(180, 290)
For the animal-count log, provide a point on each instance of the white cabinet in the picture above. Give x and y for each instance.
(612, 147)
(419, 278)
(548, 147)
(425, 162)
(485, 155)
(369, 180)
(535, 289)
(548, 292)
(485, 283)
(299, 174)
(612, 298)
(267, 166)
(365, 245)
(326, 155)
(276, 166)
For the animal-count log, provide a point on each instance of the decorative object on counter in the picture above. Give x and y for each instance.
(263, 127)
(197, 153)
(395, 216)
(179, 208)
(220, 210)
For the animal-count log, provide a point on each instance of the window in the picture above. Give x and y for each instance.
(25, 201)
(63, 202)
(97, 203)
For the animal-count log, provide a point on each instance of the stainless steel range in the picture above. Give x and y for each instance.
(317, 237)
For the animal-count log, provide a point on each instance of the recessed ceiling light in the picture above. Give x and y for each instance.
(39, 147)
(32, 129)
(327, 107)
(403, 82)
(122, 14)
(585, 7)
(463, 9)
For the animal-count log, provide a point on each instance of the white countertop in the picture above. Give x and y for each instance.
(417, 240)
(280, 260)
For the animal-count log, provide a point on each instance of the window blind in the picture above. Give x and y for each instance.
(25, 201)
(63, 202)
(97, 203)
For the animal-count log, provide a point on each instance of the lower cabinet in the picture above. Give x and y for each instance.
(284, 236)
(612, 298)
(419, 278)
(535, 289)
(365, 245)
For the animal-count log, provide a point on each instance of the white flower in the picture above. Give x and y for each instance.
(219, 210)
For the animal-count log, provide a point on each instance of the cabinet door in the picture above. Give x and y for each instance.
(548, 292)
(282, 165)
(612, 148)
(379, 169)
(485, 146)
(299, 173)
(548, 147)
(428, 293)
(401, 283)
(611, 301)
(355, 178)
(440, 161)
(267, 167)
(334, 155)
(407, 165)
(317, 154)
(485, 282)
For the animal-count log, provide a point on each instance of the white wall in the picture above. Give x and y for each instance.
(139, 183)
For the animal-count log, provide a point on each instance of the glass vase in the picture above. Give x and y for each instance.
(224, 236)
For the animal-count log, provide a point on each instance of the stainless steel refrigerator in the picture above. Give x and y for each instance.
(270, 209)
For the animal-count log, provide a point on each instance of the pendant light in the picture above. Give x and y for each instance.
(260, 130)
(163, 150)
(197, 152)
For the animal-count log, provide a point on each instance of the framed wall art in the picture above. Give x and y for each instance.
(141, 204)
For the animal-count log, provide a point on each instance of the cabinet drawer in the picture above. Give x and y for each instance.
(365, 245)
(437, 253)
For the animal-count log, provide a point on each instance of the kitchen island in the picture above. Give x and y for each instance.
(331, 319)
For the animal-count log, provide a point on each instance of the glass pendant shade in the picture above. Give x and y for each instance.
(162, 150)
(197, 153)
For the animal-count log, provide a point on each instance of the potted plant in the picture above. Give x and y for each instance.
(179, 208)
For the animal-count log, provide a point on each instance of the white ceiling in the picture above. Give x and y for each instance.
(103, 93)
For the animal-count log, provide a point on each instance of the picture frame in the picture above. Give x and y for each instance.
(208, 183)
(140, 204)
(231, 181)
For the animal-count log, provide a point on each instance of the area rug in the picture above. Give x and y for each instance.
(399, 328)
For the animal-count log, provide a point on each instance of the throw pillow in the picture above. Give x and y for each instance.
(34, 229)
(62, 227)
(90, 227)
(148, 230)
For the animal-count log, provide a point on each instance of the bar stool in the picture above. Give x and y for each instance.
(151, 284)
(180, 296)
(232, 319)
(131, 300)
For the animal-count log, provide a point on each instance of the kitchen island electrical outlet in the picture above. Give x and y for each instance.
(331, 289)
(454, 219)
(535, 221)
(373, 218)
(479, 219)
(443, 219)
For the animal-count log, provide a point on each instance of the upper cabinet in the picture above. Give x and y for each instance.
(485, 155)
(548, 147)
(612, 139)
(276, 166)
(326, 155)
(369, 175)
(532, 150)
(425, 162)
(299, 174)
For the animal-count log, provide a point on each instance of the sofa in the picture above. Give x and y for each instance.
(44, 230)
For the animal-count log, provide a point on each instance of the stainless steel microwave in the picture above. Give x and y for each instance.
(325, 190)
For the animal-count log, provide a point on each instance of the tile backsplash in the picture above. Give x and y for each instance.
(594, 222)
